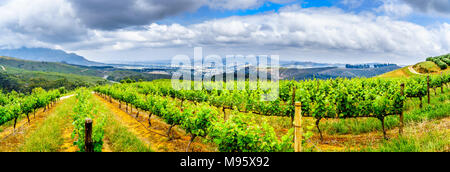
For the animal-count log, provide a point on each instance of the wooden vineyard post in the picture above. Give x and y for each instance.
(293, 103)
(400, 130)
(224, 113)
(298, 127)
(421, 102)
(182, 101)
(226, 110)
(442, 86)
(428, 88)
(88, 144)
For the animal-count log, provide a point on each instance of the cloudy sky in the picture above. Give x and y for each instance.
(343, 31)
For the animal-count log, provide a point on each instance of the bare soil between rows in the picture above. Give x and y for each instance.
(11, 139)
(155, 135)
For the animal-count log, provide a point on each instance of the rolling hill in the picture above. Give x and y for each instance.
(24, 81)
(422, 68)
(48, 55)
(333, 72)
(48, 67)
(98, 72)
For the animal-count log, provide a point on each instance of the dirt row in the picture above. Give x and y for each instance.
(11, 139)
(156, 134)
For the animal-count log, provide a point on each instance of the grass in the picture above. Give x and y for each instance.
(122, 140)
(49, 135)
(427, 67)
(426, 136)
(399, 73)
(433, 142)
(118, 136)
(422, 67)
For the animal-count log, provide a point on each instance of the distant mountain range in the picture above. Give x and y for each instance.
(289, 69)
(333, 72)
(106, 72)
(48, 55)
(297, 64)
(60, 56)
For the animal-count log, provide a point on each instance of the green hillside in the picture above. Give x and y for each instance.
(25, 80)
(48, 67)
(399, 73)
(111, 73)
(442, 61)
(119, 75)
(433, 66)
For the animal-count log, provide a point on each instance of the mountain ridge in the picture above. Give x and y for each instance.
(48, 55)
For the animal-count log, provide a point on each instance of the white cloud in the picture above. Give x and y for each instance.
(316, 31)
(111, 15)
(241, 4)
(402, 8)
(352, 3)
(293, 32)
(395, 8)
(441, 7)
(39, 22)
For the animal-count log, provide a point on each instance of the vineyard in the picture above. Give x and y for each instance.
(154, 116)
(442, 61)
(203, 113)
(13, 104)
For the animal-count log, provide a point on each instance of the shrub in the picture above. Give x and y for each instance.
(441, 64)
(442, 61)
(446, 60)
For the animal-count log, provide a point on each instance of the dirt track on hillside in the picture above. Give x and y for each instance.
(412, 70)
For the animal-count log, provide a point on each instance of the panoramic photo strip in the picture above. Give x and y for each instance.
(211, 78)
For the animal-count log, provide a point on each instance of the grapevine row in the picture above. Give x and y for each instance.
(250, 100)
(235, 135)
(338, 98)
(13, 104)
(84, 109)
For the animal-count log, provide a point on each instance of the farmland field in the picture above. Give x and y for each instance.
(375, 114)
